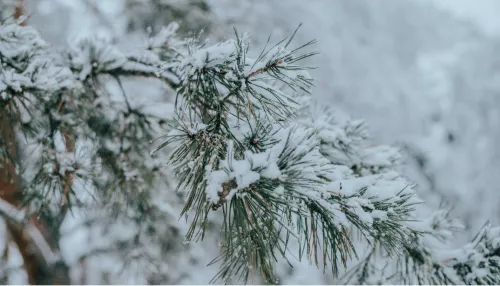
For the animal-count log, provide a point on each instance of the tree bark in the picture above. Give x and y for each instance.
(26, 236)
(10, 192)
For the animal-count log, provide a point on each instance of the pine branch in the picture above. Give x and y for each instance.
(235, 149)
(55, 107)
(32, 244)
(240, 143)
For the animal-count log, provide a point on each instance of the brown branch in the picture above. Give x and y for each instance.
(35, 264)
(41, 263)
(9, 192)
(19, 11)
(264, 69)
(68, 177)
(226, 188)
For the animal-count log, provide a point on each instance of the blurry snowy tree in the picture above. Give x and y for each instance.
(464, 83)
(248, 146)
(191, 15)
(72, 125)
(7, 8)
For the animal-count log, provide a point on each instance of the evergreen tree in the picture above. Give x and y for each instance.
(252, 153)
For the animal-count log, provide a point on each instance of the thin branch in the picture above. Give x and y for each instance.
(10, 212)
(19, 218)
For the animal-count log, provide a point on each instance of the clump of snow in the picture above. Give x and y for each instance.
(245, 172)
(209, 57)
(280, 190)
(164, 36)
(19, 41)
(96, 54)
(59, 142)
(345, 141)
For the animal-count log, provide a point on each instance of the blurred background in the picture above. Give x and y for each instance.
(424, 74)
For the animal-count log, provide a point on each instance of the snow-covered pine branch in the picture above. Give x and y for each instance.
(97, 56)
(84, 138)
(239, 147)
(53, 100)
(428, 260)
(26, 73)
(347, 142)
(245, 142)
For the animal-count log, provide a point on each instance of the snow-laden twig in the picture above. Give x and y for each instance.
(20, 219)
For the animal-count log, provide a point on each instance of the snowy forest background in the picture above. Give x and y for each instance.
(424, 79)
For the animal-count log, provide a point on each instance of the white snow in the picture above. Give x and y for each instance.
(59, 142)
(370, 68)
